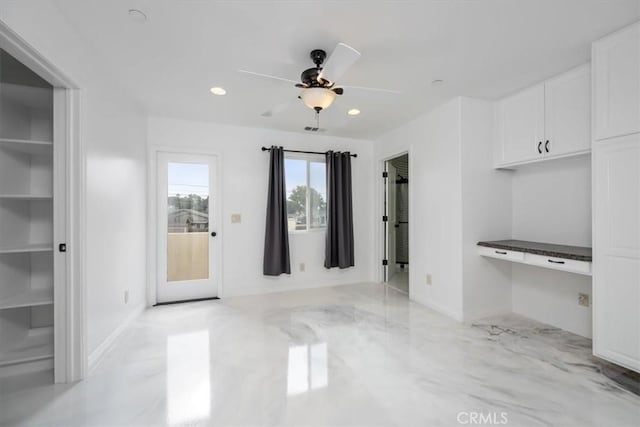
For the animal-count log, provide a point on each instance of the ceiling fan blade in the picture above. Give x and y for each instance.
(371, 89)
(340, 60)
(280, 108)
(268, 76)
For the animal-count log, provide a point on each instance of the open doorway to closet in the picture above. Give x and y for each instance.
(396, 222)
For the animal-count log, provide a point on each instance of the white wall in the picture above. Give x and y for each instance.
(244, 190)
(486, 204)
(552, 203)
(456, 199)
(114, 132)
(434, 204)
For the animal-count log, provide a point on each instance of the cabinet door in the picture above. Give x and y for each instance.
(521, 125)
(568, 113)
(616, 73)
(616, 262)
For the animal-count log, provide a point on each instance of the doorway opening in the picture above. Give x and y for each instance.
(396, 222)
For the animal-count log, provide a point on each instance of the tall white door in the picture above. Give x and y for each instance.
(616, 72)
(616, 257)
(188, 244)
(392, 175)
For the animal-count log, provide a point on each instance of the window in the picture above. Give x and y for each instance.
(306, 184)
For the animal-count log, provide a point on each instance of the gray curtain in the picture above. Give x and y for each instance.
(276, 238)
(339, 245)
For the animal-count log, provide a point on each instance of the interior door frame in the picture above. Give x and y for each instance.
(70, 331)
(380, 192)
(391, 204)
(152, 224)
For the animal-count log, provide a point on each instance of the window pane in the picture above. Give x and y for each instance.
(318, 194)
(296, 185)
(187, 222)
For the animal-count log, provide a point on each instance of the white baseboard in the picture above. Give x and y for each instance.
(262, 290)
(26, 368)
(440, 309)
(96, 355)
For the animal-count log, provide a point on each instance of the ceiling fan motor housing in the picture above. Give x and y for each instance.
(309, 77)
(318, 56)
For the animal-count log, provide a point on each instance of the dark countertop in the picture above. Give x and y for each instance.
(578, 253)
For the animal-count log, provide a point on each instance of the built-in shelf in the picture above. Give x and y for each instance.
(37, 345)
(30, 298)
(27, 146)
(25, 197)
(18, 249)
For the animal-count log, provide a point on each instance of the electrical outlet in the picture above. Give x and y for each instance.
(126, 297)
(429, 281)
(583, 300)
(302, 266)
(236, 218)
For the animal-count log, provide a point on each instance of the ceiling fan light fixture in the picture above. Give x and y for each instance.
(317, 97)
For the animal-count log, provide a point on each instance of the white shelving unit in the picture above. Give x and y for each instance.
(26, 219)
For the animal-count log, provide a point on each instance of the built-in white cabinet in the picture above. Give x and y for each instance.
(26, 220)
(616, 198)
(616, 70)
(549, 120)
(520, 126)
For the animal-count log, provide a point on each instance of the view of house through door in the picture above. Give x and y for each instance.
(188, 247)
(396, 222)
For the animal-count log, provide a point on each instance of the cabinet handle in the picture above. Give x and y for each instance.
(555, 262)
(540, 147)
(546, 146)
(501, 253)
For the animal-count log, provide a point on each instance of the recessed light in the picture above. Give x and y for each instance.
(137, 15)
(218, 91)
(353, 112)
(437, 82)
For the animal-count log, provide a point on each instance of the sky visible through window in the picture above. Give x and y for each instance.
(296, 174)
(188, 178)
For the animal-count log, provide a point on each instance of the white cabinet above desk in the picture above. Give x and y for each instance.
(572, 259)
(546, 121)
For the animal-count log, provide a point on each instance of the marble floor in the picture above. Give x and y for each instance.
(358, 355)
(400, 281)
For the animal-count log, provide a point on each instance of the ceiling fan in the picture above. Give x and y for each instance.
(319, 84)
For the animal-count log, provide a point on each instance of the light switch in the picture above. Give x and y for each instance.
(236, 218)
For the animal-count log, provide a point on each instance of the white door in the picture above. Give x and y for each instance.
(616, 251)
(188, 245)
(521, 125)
(568, 113)
(392, 175)
(616, 68)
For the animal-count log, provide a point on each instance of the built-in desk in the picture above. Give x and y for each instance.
(573, 259)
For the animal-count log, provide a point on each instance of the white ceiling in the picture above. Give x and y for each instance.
(480, 48)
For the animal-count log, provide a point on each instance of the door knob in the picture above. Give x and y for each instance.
(214, 234)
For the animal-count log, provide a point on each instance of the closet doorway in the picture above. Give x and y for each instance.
(42, 239)
(396, 222)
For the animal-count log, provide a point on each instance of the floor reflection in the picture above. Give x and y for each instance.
(188, 379)
(307, 368)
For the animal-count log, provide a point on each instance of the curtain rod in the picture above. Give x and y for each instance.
(304, 152)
